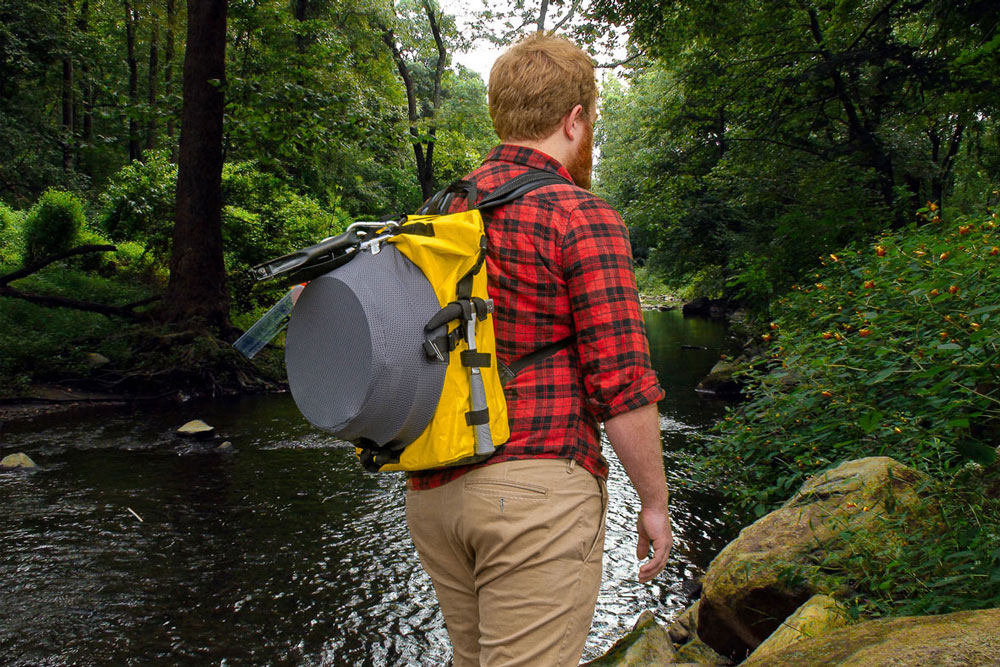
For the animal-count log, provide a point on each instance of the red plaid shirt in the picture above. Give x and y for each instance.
(559, 263)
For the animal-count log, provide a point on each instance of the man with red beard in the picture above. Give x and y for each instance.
(514, 545)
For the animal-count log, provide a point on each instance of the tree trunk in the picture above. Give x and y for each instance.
(86, 85)
(168, 75)
(153, 75)
(67, 133)
(131, 18)
(197, 288)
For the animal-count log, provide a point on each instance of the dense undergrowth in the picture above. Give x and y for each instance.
(892, 350)
(262, 218)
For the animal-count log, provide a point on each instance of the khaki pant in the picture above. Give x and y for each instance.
(514, 550)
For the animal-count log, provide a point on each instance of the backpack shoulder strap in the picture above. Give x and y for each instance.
(519, 186)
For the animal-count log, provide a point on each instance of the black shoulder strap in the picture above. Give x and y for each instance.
(440, 202)
(519, 186)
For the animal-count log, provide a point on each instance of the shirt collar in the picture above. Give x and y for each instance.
(529, 157)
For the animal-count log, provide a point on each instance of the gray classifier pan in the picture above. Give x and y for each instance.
(354, 352)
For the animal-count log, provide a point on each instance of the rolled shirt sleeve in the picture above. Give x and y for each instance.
(611, 336)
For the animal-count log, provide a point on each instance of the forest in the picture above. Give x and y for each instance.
(830, 167)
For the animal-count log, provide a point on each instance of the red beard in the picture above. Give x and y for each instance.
(582, 163)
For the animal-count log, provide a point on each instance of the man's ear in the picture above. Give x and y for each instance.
(573, 122)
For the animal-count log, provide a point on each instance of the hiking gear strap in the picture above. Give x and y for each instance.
(519, 186)
(507, 373)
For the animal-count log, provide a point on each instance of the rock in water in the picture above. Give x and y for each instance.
(19, 460)
(95, 360)
(962, 638)
(647, 644)
(747, 593)
(196, 429)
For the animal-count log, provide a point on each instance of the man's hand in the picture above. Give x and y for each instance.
(635, 437)
(654, 530)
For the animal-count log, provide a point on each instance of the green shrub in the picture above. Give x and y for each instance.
(10, 235)
(263, 219)
(52, 225)
(38, 342)
(892, 349)
(138, 204)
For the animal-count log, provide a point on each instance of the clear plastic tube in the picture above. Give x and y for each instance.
(270, 325)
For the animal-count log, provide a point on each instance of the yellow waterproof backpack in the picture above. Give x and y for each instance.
(390, 346)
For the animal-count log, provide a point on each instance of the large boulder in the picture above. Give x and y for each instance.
(748, 591)
(963, 638)
(647, 644)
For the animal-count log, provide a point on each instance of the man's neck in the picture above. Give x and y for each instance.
(561, 151)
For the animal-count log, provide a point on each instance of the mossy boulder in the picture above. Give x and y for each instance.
(962, 638)
(647, 644)
(755, 583)
(818, 616)
(721, 380)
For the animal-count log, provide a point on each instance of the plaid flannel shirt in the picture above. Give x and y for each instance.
(559, 263)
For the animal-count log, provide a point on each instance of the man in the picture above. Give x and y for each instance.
(514, 546)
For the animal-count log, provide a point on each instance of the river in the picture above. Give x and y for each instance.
(129, 546)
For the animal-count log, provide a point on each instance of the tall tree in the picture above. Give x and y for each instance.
(410, 56)
(152, 78)
(197, 285)
(67, 134)
(131, 26)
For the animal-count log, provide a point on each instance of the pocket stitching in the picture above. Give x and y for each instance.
(482, 487)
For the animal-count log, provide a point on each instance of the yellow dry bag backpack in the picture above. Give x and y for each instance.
(390, 345)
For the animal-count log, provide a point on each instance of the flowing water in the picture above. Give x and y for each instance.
(128, 546)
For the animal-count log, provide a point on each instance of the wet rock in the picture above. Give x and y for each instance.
(962, 638)
(196, 428)
(226, 447)
(18, 460)
(699, 653)
(720, 380)
(685, 626)
(705, 307)
(647, 644)
(95, 360)
(747, 591)
(818, 616)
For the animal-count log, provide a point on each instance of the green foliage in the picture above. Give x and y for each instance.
(464, 128)
(761, 137)
(37, 342)
(933, 567)
(890, 350)
(263, 219)
(10, 234)
(52, 225)
(138, 203)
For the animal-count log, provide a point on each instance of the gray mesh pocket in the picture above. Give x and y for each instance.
(354, 350)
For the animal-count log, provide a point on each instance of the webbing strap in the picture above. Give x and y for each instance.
(477, 417)
(507, 373)
(519, 186)
(472, 359)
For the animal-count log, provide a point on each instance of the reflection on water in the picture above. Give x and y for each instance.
(282, 552)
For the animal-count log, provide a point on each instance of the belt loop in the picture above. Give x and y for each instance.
(571, 466)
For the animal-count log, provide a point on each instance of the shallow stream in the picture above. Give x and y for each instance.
(129, 546)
